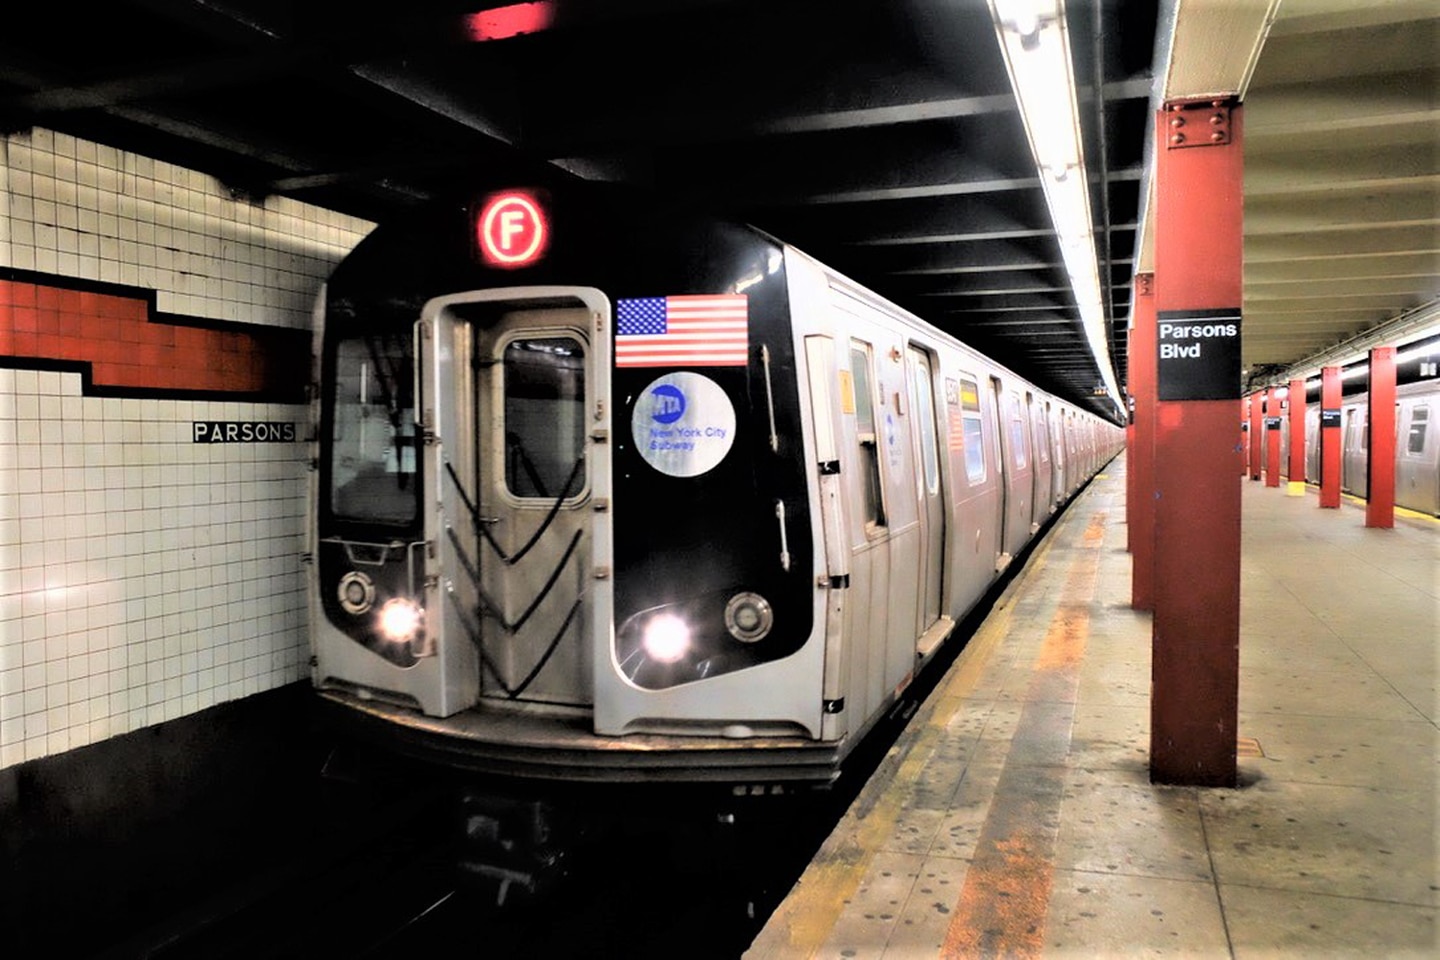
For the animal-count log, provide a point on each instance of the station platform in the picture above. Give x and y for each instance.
(1016, 817)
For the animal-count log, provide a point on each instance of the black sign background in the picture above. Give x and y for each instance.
(1329, 418)
(243, 431)
(1213, 374)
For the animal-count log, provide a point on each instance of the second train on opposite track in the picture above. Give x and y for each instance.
(608, 495)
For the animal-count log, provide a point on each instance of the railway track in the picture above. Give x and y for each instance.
(383, 878)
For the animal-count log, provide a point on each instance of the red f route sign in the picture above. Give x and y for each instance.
(512, 229)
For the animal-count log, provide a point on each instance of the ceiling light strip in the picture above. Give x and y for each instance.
(1035, 44)
(1417, 324)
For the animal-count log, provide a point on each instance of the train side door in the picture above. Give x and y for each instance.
(1417, 482)
(513, 382)
(1354, 471)
(925, 436)
(1057, 455)
(977, 491)
(1047, 427)
(1003, 474)
(825, 413)
(1348, 439)
(1040, 499)
(1076, 472)
(1015, 480)
(1285, 438)
(1312, 443)
(1428, 453)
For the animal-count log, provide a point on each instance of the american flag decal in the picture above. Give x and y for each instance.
(692, 331)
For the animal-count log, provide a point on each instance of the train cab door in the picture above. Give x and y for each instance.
(932, 626)
(513, 381)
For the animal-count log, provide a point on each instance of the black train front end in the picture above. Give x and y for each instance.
(618, 508)
(561, 531)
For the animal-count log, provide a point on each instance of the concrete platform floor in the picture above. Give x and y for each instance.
(1015, 817)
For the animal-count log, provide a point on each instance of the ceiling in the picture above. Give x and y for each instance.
(1342, 166)
(879, 136)
(1342, 177)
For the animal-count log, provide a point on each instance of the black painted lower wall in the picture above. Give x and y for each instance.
(101, 843)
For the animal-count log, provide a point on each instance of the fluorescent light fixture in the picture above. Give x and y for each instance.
(1036, 47)
(1401, 356)
(1406, 330)
(1425, 352)
(1359, 365)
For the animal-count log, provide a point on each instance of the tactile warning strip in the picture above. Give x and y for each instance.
(1248, 747)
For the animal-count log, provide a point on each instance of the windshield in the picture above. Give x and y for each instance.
(372, 435)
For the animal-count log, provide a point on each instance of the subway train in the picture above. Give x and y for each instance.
(610, 492)
(1417, 440)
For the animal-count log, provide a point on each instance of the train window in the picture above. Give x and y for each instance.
(1419, 420)
(974, 430)
(869, 442)
(544, 417)
(372, 434)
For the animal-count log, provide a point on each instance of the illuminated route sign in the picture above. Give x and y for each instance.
(512, 230)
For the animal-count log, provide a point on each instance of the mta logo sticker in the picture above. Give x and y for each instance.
(683, 424)
(669, 403)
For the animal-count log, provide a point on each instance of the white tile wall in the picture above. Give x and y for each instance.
(81, 209)
(143, 576)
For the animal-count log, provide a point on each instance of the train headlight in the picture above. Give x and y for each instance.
(666, 638)
(748, 617)
(400, 620)
(357, 593)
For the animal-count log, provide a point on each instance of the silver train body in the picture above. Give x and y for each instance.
(540, 552)
(1417, 445)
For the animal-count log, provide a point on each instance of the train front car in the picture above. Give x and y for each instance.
(562, 529)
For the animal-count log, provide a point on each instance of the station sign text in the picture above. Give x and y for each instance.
(1199, 354)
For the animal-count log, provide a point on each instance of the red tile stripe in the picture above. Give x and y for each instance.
(131, 350)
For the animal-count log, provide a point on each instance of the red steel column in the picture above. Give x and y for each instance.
(1380, 507)
(1130, 446)
(1257, 423)
(1142, 465)
(1272, 437)
(1244, 448)
(1296, 472)
(1196, 629)
(1330, 437)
